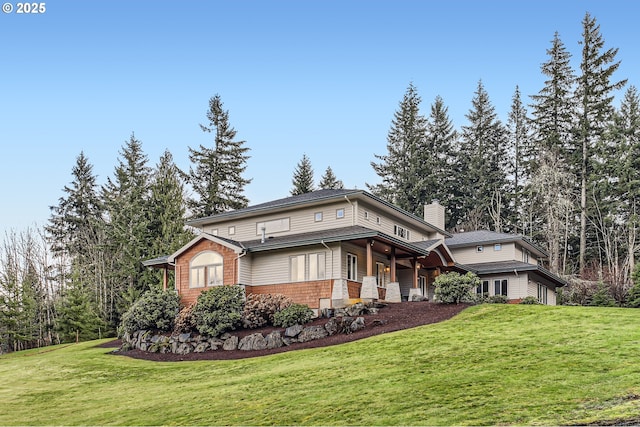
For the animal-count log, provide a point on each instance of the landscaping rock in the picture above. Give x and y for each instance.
(331, 326)
(183, 348)
(201, 347)
(356, 309)
(225, 336)
(288, 341)
(230, 343)
(274, 340)
(357, 324)
(183, 338)
(252, 342)
(215, 343)
(311, 333)
(293, 331)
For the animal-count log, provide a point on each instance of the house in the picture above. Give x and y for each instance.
(328, 246)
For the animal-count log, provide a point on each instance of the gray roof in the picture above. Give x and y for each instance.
(480, 237)
(516, 266)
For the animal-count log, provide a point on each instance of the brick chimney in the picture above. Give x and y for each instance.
(434, 214)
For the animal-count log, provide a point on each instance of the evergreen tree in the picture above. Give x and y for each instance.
(401, 169)
(594, 94)
(302, 177)
(553, 109)
(126, 200)
(76, 223)
(483, 160)
(329, 180)
(77, 319)
(438, 157)
(216, 174)
(166, 212)
(520, 160)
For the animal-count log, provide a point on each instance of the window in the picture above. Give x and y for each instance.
(366, 215)
(296, 268)
(380, 274)
(206, 268)
(542, 294)
(318, 217)
(377, 220)
(340, 213)
(401, 232)
(232, 230)
(479, 248)
(273, 226)
(352, 267)
(483, 288)
(214, 231)
(525, 255)
(497, 247)
(316, 266)
(500, 287)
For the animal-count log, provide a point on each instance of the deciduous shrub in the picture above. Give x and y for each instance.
(259, 309)
(295, 314)
(453, 288)
(497, 299)
(218, 310)
(184, 320)
(155, 309)
(529, 300)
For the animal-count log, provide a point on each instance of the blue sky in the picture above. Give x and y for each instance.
(317, 77)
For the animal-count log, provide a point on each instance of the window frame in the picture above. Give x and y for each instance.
(483, 288)
(501, 287)
(381, 276)
(317, 217)
(298, 270)
(340, 214)
(203, 270)
(319, 270)
(352, 267)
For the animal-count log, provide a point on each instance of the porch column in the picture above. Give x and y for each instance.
(370, 258)
(415, 293)
(393, 265)
(369, 289)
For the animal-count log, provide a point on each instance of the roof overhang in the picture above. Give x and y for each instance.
(536, 272)
(234, 246)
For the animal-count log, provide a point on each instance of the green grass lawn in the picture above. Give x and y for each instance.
(492, 364)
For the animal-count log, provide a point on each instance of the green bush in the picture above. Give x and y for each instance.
(155, 309)
(259, 309)
(497, 299)
(633, 297)
(602, 297)
(295, 314)
(453, 288)
(530, 300)
(218, 310)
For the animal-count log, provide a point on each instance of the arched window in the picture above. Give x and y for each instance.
(206, 270)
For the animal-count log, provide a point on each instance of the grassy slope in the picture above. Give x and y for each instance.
(493, 364)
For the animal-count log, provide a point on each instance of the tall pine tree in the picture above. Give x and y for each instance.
(302, 177)
(401, 168)
(329, 180)
(216, 174)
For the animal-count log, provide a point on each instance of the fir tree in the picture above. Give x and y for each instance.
(302, 177)
(126, 200)
(594, 94)
(401, 169)
(483, 160)
(329, 180)
(520, 160)
(438, 159)
(216, 174)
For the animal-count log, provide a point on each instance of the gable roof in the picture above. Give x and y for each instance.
(485, 237)
(310, 199)
(231, 244)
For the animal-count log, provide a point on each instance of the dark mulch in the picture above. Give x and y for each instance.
(393, 317)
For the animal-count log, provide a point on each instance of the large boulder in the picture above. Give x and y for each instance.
(230, 343)
(252, 342)
(311, 333)
(293, 331)
(357, 324)
(274, 340)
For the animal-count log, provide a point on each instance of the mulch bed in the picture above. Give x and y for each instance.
(393, 317)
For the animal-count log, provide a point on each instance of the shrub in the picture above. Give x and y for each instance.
(633, 297)
(218, 310)
(530, 300)
(184, 320)
(295, 314)
(497, 299)
(155, 309)
(453, 288)
(602, 297)
(259, 309)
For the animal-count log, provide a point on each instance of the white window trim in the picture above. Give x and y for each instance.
(205, 269)
(354, 270)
